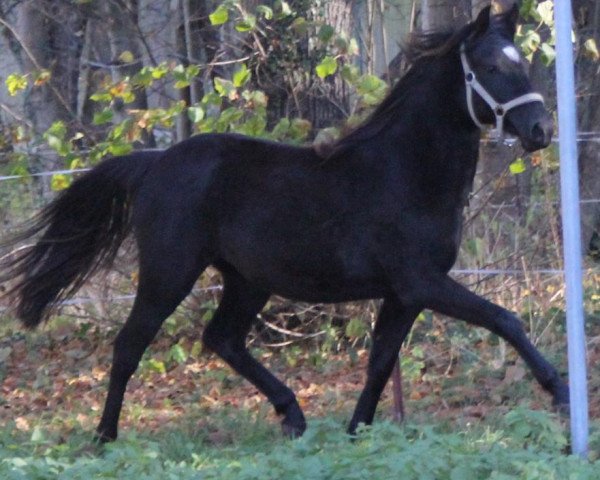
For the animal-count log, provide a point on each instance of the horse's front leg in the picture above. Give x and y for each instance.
(448, 297)
(392, 326)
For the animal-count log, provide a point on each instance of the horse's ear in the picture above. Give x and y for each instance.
(482, 22)
(506, 13)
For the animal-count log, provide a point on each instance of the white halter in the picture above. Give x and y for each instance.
(499, 109)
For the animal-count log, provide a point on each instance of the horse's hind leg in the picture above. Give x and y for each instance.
(163, 284)
(226, 334)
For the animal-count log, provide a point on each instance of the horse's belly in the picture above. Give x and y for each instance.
(328, 290)
(312, 276)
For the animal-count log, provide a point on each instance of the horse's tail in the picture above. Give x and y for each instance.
(82, 231)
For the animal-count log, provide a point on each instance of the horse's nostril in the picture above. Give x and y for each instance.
(538, 133)
(541, 133)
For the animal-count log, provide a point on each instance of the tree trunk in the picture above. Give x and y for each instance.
(444, 14)
(196, 41)
(51, 37)
(123, 34)
(587, 17)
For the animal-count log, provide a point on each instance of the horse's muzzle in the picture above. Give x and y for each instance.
(540, 135)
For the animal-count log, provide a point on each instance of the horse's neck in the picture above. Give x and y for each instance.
(434, 139)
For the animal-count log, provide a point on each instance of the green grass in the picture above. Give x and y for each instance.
(522, 444)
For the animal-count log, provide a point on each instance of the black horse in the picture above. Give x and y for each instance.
(377, 214)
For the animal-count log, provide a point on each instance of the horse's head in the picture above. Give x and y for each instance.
(497, 82)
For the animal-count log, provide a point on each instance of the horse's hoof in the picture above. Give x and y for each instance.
(292, 431)
(293, 425)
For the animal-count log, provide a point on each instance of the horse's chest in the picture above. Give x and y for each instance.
(422, 241)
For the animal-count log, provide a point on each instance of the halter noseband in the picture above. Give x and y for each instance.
(499, 109)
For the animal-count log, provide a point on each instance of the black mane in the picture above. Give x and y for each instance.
(419, 50)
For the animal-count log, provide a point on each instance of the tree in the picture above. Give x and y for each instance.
(122, 17)
(586, 14)
(441, 15)
(47, 39)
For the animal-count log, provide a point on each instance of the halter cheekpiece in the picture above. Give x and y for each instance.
(499, 109)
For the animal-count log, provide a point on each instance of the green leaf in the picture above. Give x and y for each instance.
(528, 9)
(55, 137)
(356, 328)
(267, 12)
(255, 98)
(101, 97)
(102, 117)
(196, 349)
(126, 57)
(299, 129)
(350, 73)
(241, 76)
(518, 166)
(353, 48)
(284, 9)
(247, 24)
(254, 126)
(128, 97)
(160, 71)
(372, 89)
(300, 26)
(143, 78)
(225, 88)
(196, 114)
(328, 66)
(178, 354)
(15, 83)
(57, 144)
(58, 129)
(326, 33)
(184, 75)
(37, 436)
(528, 40)
(60, 182)
(545, 10)
(548, 54)
(281, 129)
(156, 365)
(219, 16)
(118, 149)
(229, 117)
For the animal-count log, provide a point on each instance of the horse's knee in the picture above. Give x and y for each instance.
(506, 325)
(218, 341)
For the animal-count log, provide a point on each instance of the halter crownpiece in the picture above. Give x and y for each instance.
(499, 109)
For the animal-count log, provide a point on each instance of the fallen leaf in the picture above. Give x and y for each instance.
(514, 373)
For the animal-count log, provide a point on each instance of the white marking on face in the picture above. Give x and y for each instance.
(512, 53)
